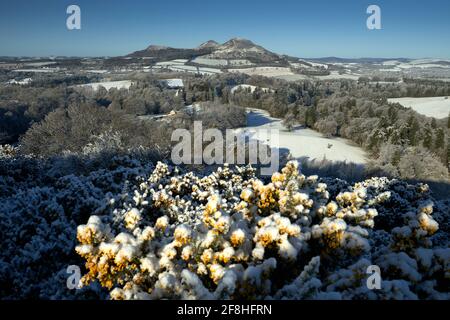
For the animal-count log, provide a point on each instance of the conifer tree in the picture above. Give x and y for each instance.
(448, 121)
(413, 130)
(428, 138)
(440, 139)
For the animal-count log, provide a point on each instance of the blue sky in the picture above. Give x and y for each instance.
(314, 28)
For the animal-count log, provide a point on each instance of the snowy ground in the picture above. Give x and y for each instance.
(286, 74)
(334, 75)
(43, 70)
(123, 84)
(210, 62)
(179, 65)
(172, 62)
(437, 107)
(20, 82)
(222, 62)
(174, 83)
(304, 64)
(265, 71)
(97, 71)
(39, 64)
(304, 143)
(248, 86)
(419, 63)
(293, 77)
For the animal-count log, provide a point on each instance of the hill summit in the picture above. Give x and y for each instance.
(235, 48)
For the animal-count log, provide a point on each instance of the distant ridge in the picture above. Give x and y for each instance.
(252, 54)
(359, 60)
(235, 48)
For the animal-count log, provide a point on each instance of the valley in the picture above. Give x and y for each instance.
(303, 143)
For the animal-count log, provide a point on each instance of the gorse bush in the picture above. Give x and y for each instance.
(159, 232)
(229, 235)
(41, 208)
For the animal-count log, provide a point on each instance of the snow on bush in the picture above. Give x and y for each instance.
(144, 231)
(229, 235)
(39, 214)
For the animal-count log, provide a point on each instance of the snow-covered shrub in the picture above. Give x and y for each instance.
(228, 235)
(7, 151)
(39, 214)
(160, 232)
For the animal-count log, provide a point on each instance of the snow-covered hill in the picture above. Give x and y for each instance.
(239, 48)
(243, 55)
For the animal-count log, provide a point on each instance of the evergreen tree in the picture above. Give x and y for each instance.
(440, 139)
(448, 121)
(413, 130)
(433, 123)
(374, 140)
(396, 157)
(311, 117)
(289, 121)
(392, 114)
(428, 138)
(383, 122)
(448, 154)
(395, 137)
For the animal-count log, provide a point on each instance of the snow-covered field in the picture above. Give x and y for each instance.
(287, 74)
(222, 62)
(248, 86)
(123, 84)
(97, 71)
(293, 77)
(240, 62)
(174, 83)
(210, 62)
(314, 64)
(398, 66)
(265, 71)
(43, 70)
(39, 64)
(335, 75)
(194, 69)
(172, 62)
(436, 107)
(304, 143)
(20, 82)
(179, 65)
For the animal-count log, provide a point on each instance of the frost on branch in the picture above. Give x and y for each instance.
(140, 231)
